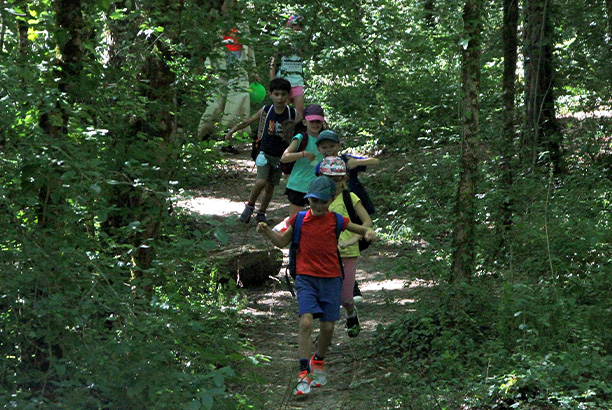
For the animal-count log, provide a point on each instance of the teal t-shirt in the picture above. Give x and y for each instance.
(304, 170)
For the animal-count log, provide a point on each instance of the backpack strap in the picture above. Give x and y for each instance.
(293, 248)
(262, 120)
(303, 142)
(339, 225)
(350, 208)
(297, 228)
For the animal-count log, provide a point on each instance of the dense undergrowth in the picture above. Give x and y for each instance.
(76, 333)
(533, 328)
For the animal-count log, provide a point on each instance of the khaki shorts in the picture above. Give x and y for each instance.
(270, 171)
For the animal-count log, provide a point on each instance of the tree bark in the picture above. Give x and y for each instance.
(54, 122)
(609, 12)
(464, 241)
(510, 44)
(542, 131)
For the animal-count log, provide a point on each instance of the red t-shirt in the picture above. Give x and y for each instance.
(231, 41)
(317, 253)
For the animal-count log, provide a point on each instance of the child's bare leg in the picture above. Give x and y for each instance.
(298, 101)
(211, 116)
(268, 191)
(325, 337)
(350, 269)
(260, 185)
(304, 335)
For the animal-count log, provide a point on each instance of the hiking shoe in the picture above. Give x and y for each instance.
(246, 214)
(231, 149)
(357, 297)
(261, 217)
(352, 324)
(303, 384)
(317, 369)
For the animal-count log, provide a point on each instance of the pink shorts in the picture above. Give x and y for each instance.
(295, 91)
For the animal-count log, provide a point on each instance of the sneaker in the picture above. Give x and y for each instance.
(317, 368)
(246, 214)
(261, 217)
(303, 384)
(231, 149)
(357, 297)
(352, 324)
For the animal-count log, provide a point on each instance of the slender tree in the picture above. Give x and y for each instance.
(510, 44)
(542, 132)
(609, 12)
(464, 240)
(68, 36)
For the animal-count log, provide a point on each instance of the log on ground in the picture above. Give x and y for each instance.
(248, 265)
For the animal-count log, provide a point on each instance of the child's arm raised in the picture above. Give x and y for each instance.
(290, 154)
(367, 232)
(358, 162)
(244, 123)
(273, 68)
(277, 239)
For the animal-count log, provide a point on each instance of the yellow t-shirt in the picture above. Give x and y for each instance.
(338, 206)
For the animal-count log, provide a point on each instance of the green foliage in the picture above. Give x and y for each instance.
(530, 345)
(107, 300)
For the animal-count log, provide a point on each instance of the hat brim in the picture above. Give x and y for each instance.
(320, 140)
(314, 118)
(316, 195)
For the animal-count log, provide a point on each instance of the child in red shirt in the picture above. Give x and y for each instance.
(319, 277)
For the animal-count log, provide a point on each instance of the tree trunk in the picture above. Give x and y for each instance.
(464, 241)
(22, 30)
(54, 122)
(542, 132)
(510, 43)
(39, 351)
(429, 9)
(609, 12)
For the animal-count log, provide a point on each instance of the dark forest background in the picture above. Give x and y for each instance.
(497, 115)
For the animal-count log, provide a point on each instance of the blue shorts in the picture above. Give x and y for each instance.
(319, 296)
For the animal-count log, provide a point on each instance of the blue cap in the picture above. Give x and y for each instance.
(323, 188)
(327, 135)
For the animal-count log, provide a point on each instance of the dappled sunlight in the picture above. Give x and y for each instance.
(257, 312)
(392, 284)
(246, 163)
(212, 206)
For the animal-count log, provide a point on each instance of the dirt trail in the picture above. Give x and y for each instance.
(354, 377)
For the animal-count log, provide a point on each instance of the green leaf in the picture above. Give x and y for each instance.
(95, 188)
(117, 15)
(104, 4)
(221, 236)
(195, 405)
(207, 401)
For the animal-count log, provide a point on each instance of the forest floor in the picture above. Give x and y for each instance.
(357, 378)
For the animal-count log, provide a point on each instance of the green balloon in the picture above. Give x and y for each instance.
(257, 92)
